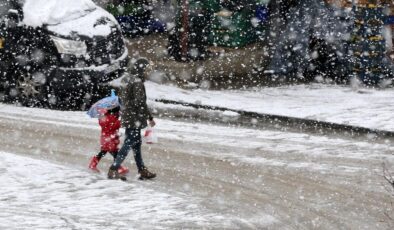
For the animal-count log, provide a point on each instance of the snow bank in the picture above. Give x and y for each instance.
(368, 108)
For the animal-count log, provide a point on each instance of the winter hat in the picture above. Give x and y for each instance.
(138, 67)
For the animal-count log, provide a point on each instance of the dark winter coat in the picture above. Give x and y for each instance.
(110, 125)
(135, 111)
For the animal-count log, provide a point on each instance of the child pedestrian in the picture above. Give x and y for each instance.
(109, 140)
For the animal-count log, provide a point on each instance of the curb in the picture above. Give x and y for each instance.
(245, 118)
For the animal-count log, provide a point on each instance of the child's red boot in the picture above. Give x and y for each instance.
(93, 164)
(123, 170)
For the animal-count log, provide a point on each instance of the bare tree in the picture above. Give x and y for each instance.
(388, 176)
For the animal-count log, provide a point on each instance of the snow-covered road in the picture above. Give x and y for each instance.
(208, 177)
(37, 194)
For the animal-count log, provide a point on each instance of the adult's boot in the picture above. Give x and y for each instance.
(113, 174)
(146, 174)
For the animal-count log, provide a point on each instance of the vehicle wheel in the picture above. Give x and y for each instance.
(29, 89)
(2, 92)
(3, 82)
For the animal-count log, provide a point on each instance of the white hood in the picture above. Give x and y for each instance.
(96, 23)
(67, 17)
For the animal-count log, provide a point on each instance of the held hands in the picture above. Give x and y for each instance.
(151, 123)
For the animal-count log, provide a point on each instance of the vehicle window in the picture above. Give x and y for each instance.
(5, 5)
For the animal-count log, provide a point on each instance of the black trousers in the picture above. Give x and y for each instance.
(101, 154)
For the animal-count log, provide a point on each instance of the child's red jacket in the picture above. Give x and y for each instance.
(110, 125)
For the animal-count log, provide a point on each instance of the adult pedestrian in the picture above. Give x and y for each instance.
(135, 115)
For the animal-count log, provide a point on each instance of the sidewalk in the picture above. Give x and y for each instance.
(365, 108)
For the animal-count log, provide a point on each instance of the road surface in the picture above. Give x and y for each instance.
(209, 176)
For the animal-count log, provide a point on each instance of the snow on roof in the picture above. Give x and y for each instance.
(40, 12)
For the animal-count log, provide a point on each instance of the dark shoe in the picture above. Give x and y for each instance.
(145, 174)
(114, 175)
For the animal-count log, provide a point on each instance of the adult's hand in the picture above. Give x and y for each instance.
(152, 123)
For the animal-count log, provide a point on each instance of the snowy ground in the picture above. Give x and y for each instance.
(368, 108)
(208, 177)
(37, 194)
